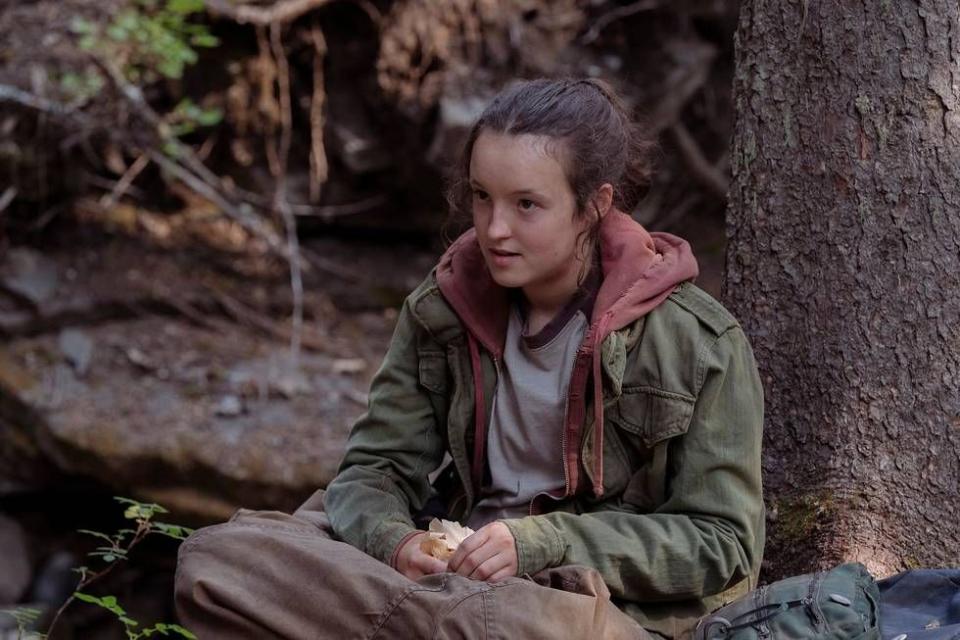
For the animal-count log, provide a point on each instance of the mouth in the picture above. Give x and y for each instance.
(502, 253)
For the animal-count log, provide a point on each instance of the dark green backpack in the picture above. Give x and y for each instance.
(840, 604)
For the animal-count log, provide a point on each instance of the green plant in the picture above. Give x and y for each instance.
(148, 39)
(25, 617)
(129, 624)
(116, 548)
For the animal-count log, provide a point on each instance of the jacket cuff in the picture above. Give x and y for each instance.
(403, 541)
(387, 538)
(539, 544)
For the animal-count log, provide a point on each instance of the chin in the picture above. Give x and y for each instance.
(509, 280)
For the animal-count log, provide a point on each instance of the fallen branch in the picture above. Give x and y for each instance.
(681, 84)
(238, 213)
(619, 13)
(700, 167)
(278, 13)
(318, 155)
(10, 93)
(8, 195)
(666, 223)
(331, 211)
(109, 199)
(243, 314)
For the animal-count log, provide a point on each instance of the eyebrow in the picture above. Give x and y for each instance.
(518, 192)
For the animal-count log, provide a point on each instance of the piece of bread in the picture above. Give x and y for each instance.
(443, 538)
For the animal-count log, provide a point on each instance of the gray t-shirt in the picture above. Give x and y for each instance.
(524, 449)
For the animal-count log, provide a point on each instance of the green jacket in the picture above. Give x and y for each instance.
(679, 528)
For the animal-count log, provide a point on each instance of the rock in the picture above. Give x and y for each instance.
(211, 447)
(16, 573)
(229, 406)
(56, 579)
(77, 347)
(202, 415)
(349, 365)
(29, 274)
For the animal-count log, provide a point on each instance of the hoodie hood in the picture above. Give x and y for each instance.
(640, 270)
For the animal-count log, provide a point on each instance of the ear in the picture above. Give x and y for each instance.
(603, 198)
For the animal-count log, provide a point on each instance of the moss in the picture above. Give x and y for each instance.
(799, 517)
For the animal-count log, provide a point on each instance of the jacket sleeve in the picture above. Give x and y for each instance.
(708, 534)
(390, 451)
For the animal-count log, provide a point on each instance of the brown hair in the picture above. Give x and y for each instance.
(598, 140)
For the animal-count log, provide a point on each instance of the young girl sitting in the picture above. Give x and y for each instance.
(574, 398)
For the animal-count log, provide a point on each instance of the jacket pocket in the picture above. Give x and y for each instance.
(652, 415)
(433, 371)
(433, 375)
(648, 419)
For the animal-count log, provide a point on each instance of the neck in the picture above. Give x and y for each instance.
(546, 299)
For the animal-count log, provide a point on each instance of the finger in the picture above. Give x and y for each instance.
(490, 566)
(502, 574)
(427, 564)
(468, 546)
(476, 558)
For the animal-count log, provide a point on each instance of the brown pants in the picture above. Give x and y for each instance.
(267, 574)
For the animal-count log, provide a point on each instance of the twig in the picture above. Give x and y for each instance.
(143, 528)
(109, 199)
(13, 94)
(683, 82)
(195, 175)
(283, 92)
(603, 21)
(268, 104)
(280, 198)
(240, 312)
(278, 13)
(318, 156)
(701, 168)
(331, 211)
(44, 218)
(329, 266)
(375, 16)
(676, 214)
(244, 218)
(8, 195)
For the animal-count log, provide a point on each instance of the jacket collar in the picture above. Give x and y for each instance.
(640, 269)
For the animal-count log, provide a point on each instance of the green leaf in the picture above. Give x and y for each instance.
(97, 534)
(172, 530)
(209, 117)
(83, 597)
(117, 33)
(184, 7)
(204, 40)
(171, 69)
(82, 26)
(182, 631)
(171, 149)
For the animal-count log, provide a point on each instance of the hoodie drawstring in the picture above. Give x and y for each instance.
(480, 418)
(600, 332)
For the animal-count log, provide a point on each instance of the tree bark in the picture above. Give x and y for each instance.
(843, 265)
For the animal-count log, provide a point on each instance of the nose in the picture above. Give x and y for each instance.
(498, 226)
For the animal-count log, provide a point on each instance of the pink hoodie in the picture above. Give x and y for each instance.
(640, 270)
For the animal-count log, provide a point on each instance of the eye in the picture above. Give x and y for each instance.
(527, 205)
(480, 194)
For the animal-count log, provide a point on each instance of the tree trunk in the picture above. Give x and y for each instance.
(843, 265)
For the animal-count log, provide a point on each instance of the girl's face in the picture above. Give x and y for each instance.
(524, 215)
